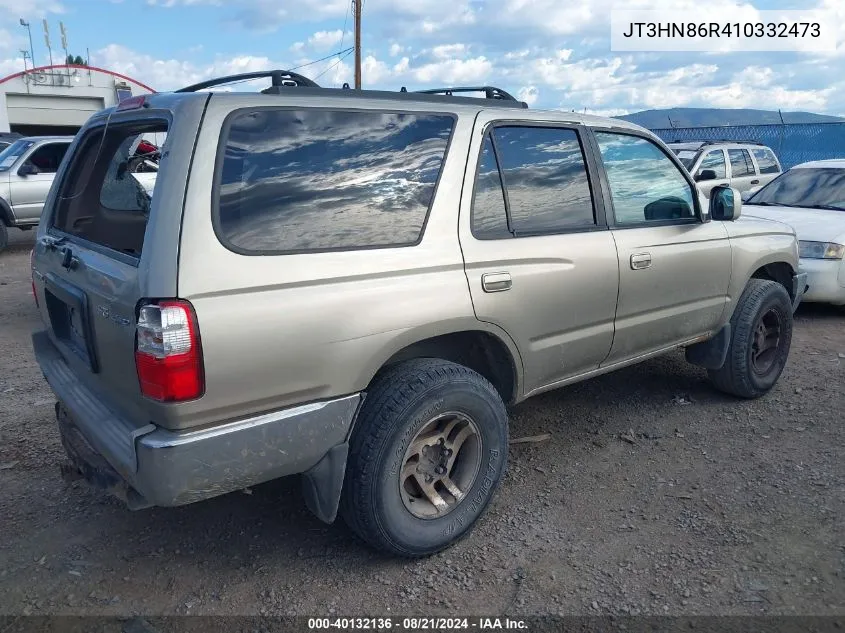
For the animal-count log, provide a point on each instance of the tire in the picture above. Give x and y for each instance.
(391, 513)
(4, 237)
(756, 360)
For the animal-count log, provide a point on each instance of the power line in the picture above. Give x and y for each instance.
(347, 54)
(345, 20)
(322, 59)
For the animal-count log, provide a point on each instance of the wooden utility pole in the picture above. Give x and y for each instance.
(356, 10)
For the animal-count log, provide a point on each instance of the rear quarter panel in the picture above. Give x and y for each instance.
(281, 330)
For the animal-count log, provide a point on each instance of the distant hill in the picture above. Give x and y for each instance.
(706, 117)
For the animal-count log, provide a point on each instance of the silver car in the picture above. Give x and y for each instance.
(27, 169)
(351, 285)
(744, 165)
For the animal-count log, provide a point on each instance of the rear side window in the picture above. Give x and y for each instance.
(106, 194)
(489, 215)
(545, 177)
(766, 161)
(741, 164)
(317, 180)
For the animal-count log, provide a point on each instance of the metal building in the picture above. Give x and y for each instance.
(58, 99)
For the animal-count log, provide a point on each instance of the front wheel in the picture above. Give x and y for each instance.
(4, 237)
(761, 335)
(426, 456)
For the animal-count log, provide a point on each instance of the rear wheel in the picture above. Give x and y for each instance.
(761, 335)
(428, 451)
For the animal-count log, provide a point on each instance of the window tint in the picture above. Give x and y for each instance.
(489, 218)
(107, 193)
(645, 184)
(545, 177)
(47, 158)
(318, 179)
(766, 161)
(716, 161)
(741, 164)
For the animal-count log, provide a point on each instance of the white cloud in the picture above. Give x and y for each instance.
(325, 40)
(395, 49)
(447, 51)
(528, 94)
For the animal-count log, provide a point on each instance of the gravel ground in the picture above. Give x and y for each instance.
(653, 495)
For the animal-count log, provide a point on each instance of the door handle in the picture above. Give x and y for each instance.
(496, 282)
(640, 261)
(755, 182)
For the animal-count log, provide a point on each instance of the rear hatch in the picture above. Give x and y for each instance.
(108, 238)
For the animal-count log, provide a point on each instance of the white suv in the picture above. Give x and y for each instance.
(744, 165)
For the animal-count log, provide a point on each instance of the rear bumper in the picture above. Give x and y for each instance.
(150, 465)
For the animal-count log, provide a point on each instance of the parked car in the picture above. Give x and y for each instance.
(351, 286)
(27, 169)
(811, 198)
(746, 166)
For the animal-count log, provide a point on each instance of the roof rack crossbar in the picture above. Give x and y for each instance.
(490, 92)
(280, 78)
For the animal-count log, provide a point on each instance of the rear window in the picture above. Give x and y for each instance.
(107, 192)
(317, 180)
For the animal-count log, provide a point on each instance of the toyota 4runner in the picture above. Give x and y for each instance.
(352, 285)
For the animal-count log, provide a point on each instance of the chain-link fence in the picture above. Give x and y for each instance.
(793, 143)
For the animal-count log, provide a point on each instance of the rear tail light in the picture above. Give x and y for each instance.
(168, 353)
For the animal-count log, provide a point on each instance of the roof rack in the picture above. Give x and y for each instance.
(490, 92)
(281, 79)
(717, 141)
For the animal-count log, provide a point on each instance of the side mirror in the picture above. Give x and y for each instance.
(27, 169)
(725, 203)
(705, 174)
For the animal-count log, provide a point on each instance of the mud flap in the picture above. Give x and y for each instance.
(711, 354)
(323, 483)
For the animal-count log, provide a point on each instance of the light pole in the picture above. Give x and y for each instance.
(31, 49)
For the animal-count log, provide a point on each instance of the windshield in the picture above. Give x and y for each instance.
(805, 187)
(11, 154)
(686, 156)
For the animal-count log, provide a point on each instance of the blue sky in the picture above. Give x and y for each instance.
(554, 54)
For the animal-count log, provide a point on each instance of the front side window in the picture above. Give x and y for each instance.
(312, 180)
(766, 161)
(714, 160)
(741, 164)
(645, 184)
(47, 158)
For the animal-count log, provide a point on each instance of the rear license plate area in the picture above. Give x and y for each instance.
(67, 307)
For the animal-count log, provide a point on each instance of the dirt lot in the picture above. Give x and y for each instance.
(709, 506)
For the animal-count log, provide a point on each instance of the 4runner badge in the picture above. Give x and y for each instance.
(105, 312)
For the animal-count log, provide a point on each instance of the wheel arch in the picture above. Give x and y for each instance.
(481, 346)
